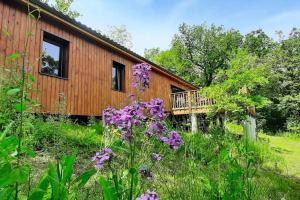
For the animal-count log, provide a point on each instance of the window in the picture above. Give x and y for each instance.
(54, 56)
(175, 89)
(118, 76)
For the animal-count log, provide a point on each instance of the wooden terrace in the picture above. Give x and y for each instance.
(189, 102)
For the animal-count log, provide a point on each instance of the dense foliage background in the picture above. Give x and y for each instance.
(199, 53)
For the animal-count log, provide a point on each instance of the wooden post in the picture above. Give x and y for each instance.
(189, 101)
(250, 121)
(250, 127)
(194, 123)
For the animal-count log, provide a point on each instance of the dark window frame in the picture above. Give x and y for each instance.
(173, 87)
(120, 72)
(63, 54)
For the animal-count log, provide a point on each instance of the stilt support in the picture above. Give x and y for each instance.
(194, 123)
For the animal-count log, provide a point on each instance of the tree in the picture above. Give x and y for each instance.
(258, 43)
(152, 53)
(64, 6)
(284, 87)
(206, 49)
(120, 34)
(235, 88)
(172, 61)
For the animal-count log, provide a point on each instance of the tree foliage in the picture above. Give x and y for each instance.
(284, 87)
(207, 55)
(206, 49)
(64, 6)
(235, 88)
(120, 34)
(258, 42)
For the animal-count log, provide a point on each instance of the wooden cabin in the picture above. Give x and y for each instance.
(74, 64)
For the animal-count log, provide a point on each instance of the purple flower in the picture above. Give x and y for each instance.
(156, 108)
(148, 196)
(141, 76)
(125, 118)
(155, 128)
(101, 157)
(109, 115)
(146, 173)
(173, 140)
(156, 157)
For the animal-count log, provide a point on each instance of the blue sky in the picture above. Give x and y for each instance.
(152, 23)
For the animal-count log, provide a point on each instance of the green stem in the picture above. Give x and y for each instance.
(132, 154)
(115, 178)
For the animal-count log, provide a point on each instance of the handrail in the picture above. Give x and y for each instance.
(190, 101)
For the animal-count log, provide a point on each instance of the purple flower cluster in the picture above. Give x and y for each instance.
(156, 108)
(146, 173)
(101, 157)
(141, 76)
(148, 196)
(125, 118)
(173, 140)
(156, 157)
(155, 128)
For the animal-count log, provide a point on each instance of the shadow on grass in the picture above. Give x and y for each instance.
(280, 150)
(280, 186)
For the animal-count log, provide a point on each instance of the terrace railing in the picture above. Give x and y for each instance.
(188, 102)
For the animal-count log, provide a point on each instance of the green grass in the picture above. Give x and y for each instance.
(285, 146)
(277, 179)
(288, 148)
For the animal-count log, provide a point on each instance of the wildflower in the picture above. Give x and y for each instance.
(146, 173)
(125, 118)
(148, 196)
(156, 108)
(141, 76)
(155, 128)
(101, 157)
(173, 140)
(156, 157)
(109, 115)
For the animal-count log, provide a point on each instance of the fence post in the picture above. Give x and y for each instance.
(189, 101)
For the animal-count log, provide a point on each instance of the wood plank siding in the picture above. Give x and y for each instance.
(88, 86)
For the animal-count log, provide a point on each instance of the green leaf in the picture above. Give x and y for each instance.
(6, 130)
(28, 152)
(14, 175)
(20, 107)
(54, 181)
(59, 191)
(132, 170)
(8, 145)
(39, 192)
(109, 191)
(13, 56)
(67, 167)
(13, 91)
(85, 177)
(5, 171)
(31, 77)
(7, 193)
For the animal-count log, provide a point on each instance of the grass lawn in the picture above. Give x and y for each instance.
(288, 148)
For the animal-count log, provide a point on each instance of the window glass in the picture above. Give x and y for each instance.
(118, 76)
(114, 78)
(50, 59)
(54, 56)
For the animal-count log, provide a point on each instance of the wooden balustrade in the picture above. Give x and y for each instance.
(188, 102)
